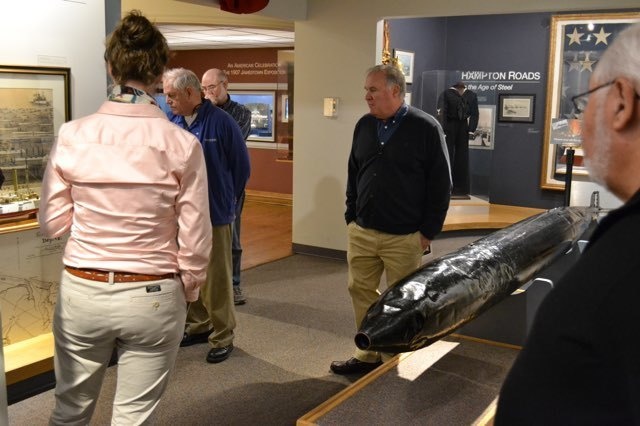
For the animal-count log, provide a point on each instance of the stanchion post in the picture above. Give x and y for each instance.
(567, 179)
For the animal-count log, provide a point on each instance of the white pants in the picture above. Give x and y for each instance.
(144, 321)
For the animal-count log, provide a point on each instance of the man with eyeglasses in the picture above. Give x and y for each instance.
(581, 361)
(215, 83)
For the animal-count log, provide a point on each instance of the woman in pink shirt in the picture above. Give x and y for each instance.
(129, 188)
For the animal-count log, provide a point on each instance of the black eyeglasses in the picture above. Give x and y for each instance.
(580, 101)
(210, 88)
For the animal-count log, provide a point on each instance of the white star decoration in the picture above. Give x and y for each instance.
(575, 36)
(587, 63)
(601, 37)
(575, 64)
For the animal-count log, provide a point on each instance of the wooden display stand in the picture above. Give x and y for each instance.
(27, 338)
(28, 358)
(447, 385)
(453, 381)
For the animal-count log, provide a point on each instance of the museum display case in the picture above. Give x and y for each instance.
(34, 102)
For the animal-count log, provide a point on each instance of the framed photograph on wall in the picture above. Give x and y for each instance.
(50, 83)
(34, 103)
(405, 60)
(516, 108)
(576, 44)
(262, 107)
(483, 137)
(284, 108)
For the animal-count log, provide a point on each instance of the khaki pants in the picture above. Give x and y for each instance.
(90, 320)
(214, 308)
(370, 253)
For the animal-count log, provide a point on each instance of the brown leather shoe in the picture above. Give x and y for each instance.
(353, 366)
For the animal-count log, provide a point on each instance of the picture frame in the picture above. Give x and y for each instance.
(262, 104)
(16, 82)
(34, 102)
(407, 98)
(484, 135)
(284, 108)
(576, 44)
(516, 108)
(405, 60)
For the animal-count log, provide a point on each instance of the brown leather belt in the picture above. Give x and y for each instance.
(118, 277)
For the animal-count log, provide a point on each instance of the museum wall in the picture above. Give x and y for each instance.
(334, 47)
(509, 172)
(251, 69)
(518, 43)
(46, 33)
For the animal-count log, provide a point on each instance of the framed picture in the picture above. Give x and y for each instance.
(483, 137)
(576, 45)
(516, 108)
(34, 103)
(405, 61)
(262, 107)
(284, 108)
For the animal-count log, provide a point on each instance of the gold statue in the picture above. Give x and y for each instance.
(387, 57)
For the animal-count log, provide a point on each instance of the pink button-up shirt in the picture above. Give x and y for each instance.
(131, 188)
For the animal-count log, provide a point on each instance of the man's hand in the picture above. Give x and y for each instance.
(426, 244)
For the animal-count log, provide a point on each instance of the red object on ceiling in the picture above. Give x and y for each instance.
(243, 6)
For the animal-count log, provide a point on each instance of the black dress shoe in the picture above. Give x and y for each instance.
(193, 339)
(353, 366)
(219, 354)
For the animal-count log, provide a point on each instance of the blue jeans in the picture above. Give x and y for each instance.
(236, 247)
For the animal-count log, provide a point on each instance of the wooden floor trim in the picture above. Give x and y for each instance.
(311, 417)
(486, 342)
(269, 197)
(321, 410)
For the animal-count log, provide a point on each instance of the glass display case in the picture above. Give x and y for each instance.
(34, 103)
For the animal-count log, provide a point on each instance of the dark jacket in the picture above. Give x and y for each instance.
(581, 361)
(451, 107)
(226, 156)
(404, 185)
(240, 113)
(472, 113)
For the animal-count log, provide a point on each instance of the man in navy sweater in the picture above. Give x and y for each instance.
(398, 190)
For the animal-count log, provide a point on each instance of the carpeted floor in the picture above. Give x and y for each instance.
(297, 320)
